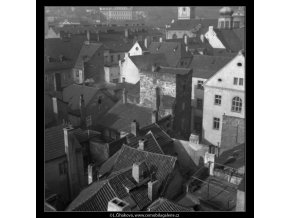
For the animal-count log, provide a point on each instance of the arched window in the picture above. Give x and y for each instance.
(237, 104)
(174, 36)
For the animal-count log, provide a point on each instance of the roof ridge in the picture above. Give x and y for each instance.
(150, 132)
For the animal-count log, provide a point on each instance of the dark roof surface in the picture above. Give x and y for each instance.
(234, 157)
(165, 205)
(87, 51)
(205, 66)
(171, 70)
(121, 115)
(230, 39)
(173, 51)
(145, 62)
(56, 47)
(193, 24)
(54, 143)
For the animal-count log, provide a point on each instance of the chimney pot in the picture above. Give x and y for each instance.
(124, 96)
(153, 187)
(141, 144)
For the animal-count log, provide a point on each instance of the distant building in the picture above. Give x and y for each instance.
(186, 13)
(239, 18)
(229, 19)
(224, 94)
(117, 13)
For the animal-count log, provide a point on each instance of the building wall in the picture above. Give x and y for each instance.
(112, 74)
(228, 91)
(233, 132)
(95, 67)
(129, 71)
(135, 50)
(56, 182)
(112, 58)
(66, 79)
(184, 13)
(179, 34)
(240, 205)
(212, 38)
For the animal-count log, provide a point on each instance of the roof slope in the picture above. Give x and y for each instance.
(193, 24)
(96, 196)
(87, 52)
(56, 47)
(230, 39)
(54, 143)
(205, 66)
(164, 205)
(173, 51)
(145, 62)
(121, 115)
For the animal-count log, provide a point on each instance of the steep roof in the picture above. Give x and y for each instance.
(173, 51)
(56, 47)
(205, 66)
(165, 205)
(87, 51)
(229, 39)
(72, 93)
(97, 195)
(145, 62)
(171, 70)
(121, 115)
(116, 42)
(234, 157)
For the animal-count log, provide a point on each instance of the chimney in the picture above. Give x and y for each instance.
(153, 190)
(202, 38)
(157, 100)
(194, 138)
(141, 144)
(71, 159)
(118, 205)
(209, 160)
(54, 105)
(185, 39)
(124, 96)
(160, 39)
(82, 110)
(210, 28)
(186, 48)
(90, 173)
(126, 33)
(88, 35)
(146, 42)
(138, 171)
(135, 128)
(154, 116)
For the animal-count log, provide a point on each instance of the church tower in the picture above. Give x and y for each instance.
(225, 20)
(186, 13)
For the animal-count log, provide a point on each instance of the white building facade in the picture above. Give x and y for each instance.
(224, 94)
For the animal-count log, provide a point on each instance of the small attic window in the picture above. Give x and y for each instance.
(239, 64)
(137, 48)
(219, 79)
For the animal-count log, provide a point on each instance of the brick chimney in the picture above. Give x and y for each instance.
(88, 35)
(153, 187)
(209, 160)
(185, 39)
(135, 128)
(160, 39)
(141, 143)
(118, 205)
(124, 96)
(91, 172)
(55, 108)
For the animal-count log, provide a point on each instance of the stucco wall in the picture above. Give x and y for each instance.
(129, 71)
(179, 33)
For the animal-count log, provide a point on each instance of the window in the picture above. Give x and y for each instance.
(239, 64)
(123, 79)
(235, 81)
(216, 123)
(199, 103)
(237, 104)
(227, 24)
(222, 24)
(77, 73)
(112, 58)
(119, 57)
(184, 9)
(217, 99)
(62, 168)
(200, 84)
(137, 48)
(241, 81)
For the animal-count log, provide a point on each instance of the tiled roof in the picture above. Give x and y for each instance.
(116, 42)
(116, 145)
(98, 195)
(72, 93)
(171, 70)
(234, 157)
(56, 47)
(240, 32)
(164, 205)
(173, 51)
(132, 89)
(150, 143)
(121, 115)
(145, 62)
(87, 51)
(205, 66)
(54, 143)
(229, 39)
(85, 135)
(49, 208)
